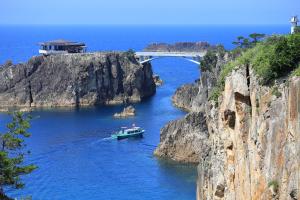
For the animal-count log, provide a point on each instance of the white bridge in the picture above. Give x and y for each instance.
(147, 56)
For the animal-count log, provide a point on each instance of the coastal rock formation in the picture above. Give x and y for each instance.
(129, 111)
(254, 135)
(187, 135)
(248, 146)
(185, 139)
(75, 80)
(157, 80)
(185, 95)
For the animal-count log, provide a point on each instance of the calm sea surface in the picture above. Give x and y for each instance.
(75, 158)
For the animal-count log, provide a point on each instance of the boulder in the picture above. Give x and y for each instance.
(128, 111)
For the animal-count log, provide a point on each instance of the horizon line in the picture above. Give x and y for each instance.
(113, 24)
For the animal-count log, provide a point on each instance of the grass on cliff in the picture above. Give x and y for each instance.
(272, 58)
(296, 72)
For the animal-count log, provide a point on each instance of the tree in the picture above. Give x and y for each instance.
(246, 43)
(297, 29)
(256, 37)
(209, 61)
(239, 41)
(12, 153)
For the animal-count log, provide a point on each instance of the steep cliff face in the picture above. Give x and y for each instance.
(255, 140)
(247, 145)
(75, 79)
(186, 139)
(185, 95)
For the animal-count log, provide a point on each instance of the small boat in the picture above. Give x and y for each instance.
(125, 132)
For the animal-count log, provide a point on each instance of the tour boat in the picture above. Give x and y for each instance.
(128, 133)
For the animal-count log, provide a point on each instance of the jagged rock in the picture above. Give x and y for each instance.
(75, 80)
(185, 95)
(185, 139)
(129, 111)
(250, 144)
(158, 82)
(258, 157)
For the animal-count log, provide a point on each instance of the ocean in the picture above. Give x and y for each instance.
(75, 158)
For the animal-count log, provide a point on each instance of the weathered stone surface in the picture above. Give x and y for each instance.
(185, 95)
(185, 139)
(157, 80)
(251, 141)
(75, 80)
(129, 111)
(258, 157)
(179, 138)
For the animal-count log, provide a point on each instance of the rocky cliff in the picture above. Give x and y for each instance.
(254, 139)
(247, 143)
(75, 80)
(186, 139)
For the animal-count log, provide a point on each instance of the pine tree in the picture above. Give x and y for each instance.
(12, 153)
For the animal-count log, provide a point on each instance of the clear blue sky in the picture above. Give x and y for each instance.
(147, 11)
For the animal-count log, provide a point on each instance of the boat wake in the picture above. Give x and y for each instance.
(107, 139)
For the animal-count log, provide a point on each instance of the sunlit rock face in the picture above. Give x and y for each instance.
(247, 143)
(255, 136)
(75, 80)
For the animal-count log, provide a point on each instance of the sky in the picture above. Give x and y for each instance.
(148, 11)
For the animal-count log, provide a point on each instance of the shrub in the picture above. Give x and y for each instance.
(276, 92)
(274, 184)
(271, 59)
(209, 61)
(296, 72)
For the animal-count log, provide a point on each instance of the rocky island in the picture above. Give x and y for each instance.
(75, 80)
(243, 125)
(180, 47)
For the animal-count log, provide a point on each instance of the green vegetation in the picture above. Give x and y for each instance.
(296, 72)
(12, 153)
(276, 92)
(272, 58)
(274, 184)
(297, 29)
(256, 37)
(209, 61)
(244, 43)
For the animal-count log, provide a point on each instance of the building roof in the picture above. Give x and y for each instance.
(62, 42)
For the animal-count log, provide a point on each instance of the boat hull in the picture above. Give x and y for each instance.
(136, 135)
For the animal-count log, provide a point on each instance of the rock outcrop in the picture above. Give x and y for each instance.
(185, 139)
(248, 145)
(129, 111)
(157, 80)
(255, 139)
(75, 80)
(185, 95)
(190, 135)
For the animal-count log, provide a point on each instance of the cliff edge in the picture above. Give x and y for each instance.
(246, 131)
(75, 80)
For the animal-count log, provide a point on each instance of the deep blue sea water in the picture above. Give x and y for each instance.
(75, 159)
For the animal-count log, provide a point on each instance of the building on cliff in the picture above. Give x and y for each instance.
(61, 46)
(294, 27)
